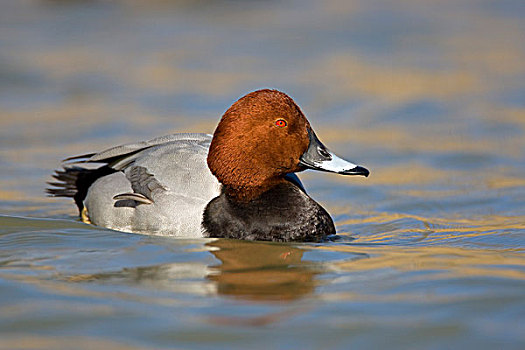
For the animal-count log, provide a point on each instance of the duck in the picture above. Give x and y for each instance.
(239, 183)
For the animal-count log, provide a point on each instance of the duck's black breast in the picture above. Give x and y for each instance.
(283, 213)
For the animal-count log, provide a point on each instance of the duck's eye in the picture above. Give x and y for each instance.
(281, 123)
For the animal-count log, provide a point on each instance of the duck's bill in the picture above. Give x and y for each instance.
(318, 157)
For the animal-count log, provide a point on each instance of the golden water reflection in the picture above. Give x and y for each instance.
(450, 262)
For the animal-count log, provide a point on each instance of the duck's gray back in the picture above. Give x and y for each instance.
(168, 176)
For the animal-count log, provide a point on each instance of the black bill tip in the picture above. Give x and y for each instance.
(358, 170)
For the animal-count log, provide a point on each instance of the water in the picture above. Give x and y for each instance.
(427, 95)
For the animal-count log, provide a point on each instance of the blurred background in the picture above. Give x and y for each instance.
(428, 95)
(422, 92)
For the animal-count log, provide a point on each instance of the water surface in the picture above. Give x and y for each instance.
(427, 95)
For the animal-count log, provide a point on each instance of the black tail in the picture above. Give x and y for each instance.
(75, 181)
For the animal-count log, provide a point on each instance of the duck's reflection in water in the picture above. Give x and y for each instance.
(261, 271)
(250, 272)
(253, 271)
